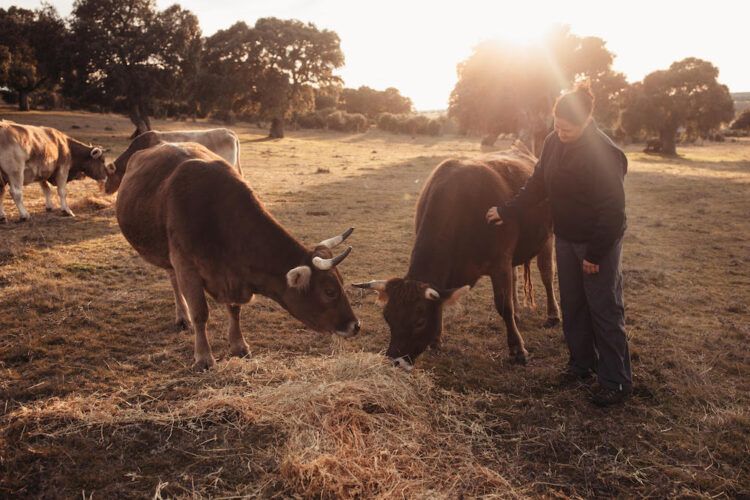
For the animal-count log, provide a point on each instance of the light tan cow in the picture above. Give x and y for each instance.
(43, 154)
(221, 141)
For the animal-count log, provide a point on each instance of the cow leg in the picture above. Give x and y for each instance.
(191, 287)
(502, 287)
(546, 265)
(238, 346)
(48, 205)
(16, 191)
(181, 320)
(3, 218)
(62, 192)
(516, 305)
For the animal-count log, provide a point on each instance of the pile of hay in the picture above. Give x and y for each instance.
(348, 425)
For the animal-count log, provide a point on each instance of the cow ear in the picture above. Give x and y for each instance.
(299, 277)
(96, 153)
(453, 296)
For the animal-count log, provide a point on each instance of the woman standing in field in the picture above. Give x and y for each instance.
(581, 172)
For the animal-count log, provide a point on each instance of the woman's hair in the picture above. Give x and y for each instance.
(576, 105)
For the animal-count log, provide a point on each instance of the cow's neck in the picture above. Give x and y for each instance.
(269, 252)
(78, 150)
(430, 263)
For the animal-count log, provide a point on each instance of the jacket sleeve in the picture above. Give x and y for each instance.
(531, 194)
(609, 192)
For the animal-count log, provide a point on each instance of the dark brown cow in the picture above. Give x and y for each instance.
(43, 154)
(454, 247)
(186, 210)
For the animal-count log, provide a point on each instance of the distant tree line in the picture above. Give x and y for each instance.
(506, 88)
(131, 58)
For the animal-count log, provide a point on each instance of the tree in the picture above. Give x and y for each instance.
(127, 55)
(230, 62)
(741, 123)
(372, 102)
(34, 43)
(503, 87)
(685, 95)
(300, 53)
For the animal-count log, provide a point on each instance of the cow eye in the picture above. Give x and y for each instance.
(331, 293)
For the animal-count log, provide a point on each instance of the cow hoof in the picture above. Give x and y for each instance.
(3, 220)
(203, 364)
(67, 214)
(48, 209)
(240, 351)
(22, 220)
(520, 358)
(551, 323)
(181, 325)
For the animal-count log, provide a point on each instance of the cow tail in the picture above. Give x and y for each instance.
(528, 286)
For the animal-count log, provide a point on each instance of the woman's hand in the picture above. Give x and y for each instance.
(493, 216)
(589, 268)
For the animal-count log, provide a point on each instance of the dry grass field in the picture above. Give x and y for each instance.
(97, 398)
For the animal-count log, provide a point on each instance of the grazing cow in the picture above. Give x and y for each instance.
(454, 247)
(188, 211)
(42, 154)
(221, 141)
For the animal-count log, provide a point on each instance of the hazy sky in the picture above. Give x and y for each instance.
(415, 45)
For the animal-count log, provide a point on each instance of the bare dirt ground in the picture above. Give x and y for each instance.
(97, 396)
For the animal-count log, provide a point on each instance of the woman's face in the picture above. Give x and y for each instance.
(568, 131)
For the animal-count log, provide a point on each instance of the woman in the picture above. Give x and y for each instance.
(581, 173)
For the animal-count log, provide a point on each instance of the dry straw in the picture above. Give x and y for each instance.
(348, 425)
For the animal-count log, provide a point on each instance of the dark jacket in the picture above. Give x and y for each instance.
(583, 181)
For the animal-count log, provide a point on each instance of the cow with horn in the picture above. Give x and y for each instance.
(454, 247)
(186, 210)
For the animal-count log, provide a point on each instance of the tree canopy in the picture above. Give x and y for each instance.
(371, 102)
(505, 87)
(32, 50)
(685, 95)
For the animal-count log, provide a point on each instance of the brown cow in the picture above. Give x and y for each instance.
(41, 154)
(221, 141)
(454, 247)
(186, 210)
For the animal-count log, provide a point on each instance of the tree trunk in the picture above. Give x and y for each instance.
(23, 100)
(668, 143)
(277, 129)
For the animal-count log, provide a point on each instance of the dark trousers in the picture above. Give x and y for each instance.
(594, 314)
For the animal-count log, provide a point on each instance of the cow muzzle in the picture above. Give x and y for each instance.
(352, 329)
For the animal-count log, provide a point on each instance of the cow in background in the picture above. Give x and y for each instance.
(220, 141)
(44, 155)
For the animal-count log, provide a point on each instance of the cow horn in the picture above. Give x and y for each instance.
(336, 240)
(378, 285)
(326, 264)
(96, 153)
